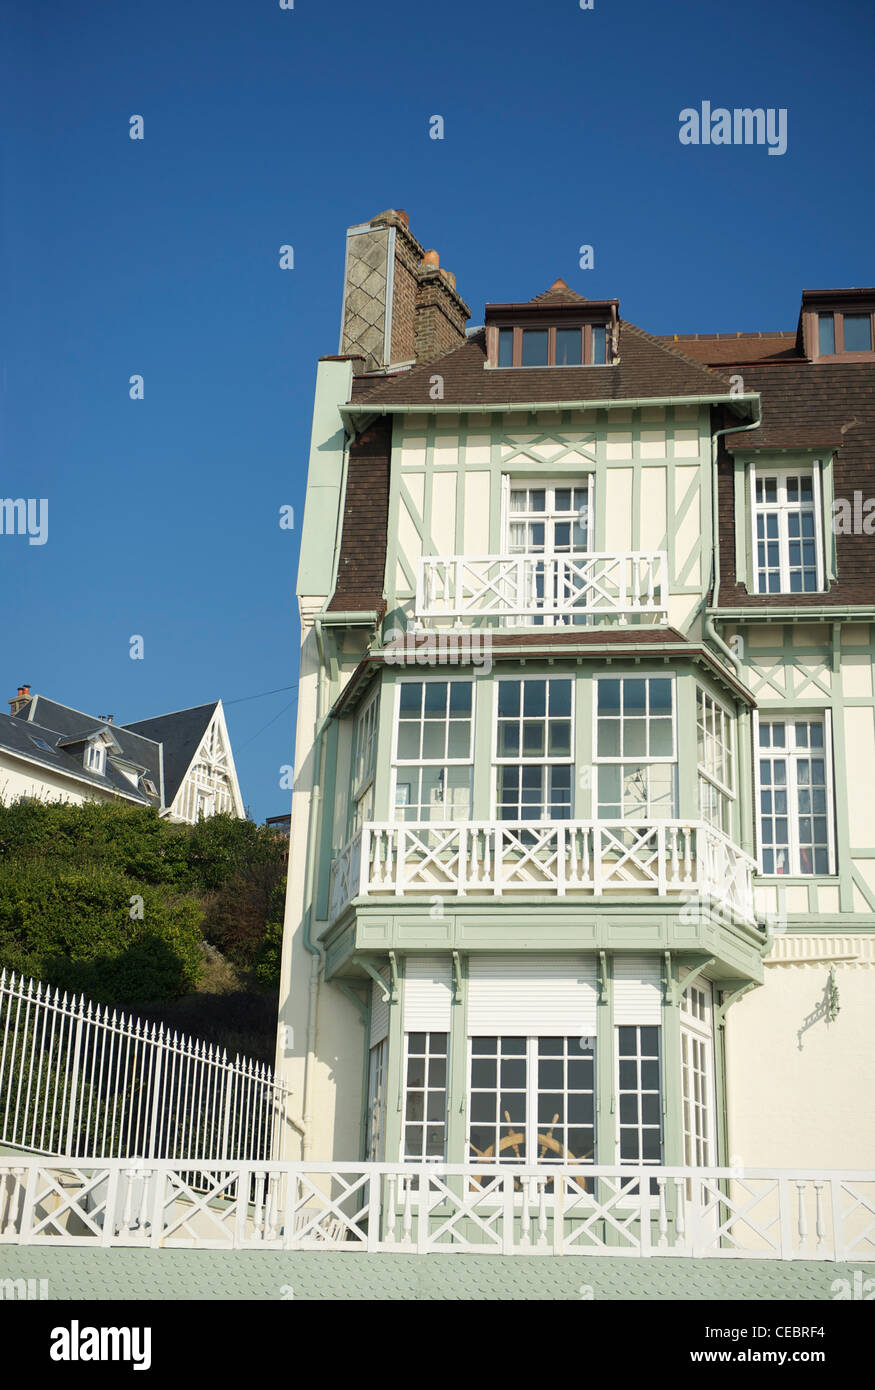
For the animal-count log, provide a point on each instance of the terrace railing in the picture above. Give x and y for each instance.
(78, 1079)
(713, 1213)
(683, 859)
(553, 589)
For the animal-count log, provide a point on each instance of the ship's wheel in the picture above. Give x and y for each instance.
(547, 1145)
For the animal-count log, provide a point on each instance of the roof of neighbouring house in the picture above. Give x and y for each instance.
(56, 725)
(180, 734)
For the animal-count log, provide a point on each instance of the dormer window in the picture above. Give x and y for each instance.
(559, 346)
(556, 329)
(95, 758)
(839, 324)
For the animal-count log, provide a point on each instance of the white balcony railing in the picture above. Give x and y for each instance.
(451, 1209)
(553, 588)
(687, 860)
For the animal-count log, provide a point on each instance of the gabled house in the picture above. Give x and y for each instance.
(180, 763)
(583, 832)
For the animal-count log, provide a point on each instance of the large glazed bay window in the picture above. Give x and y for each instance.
(433, 750)
(534, 749)
(532, 1100)
(636, 752)
(787, 526)
(716, 762)
(795, 811)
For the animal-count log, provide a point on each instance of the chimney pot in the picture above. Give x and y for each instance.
(402, 216)
(431, 258)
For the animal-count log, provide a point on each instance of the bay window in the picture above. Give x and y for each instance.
(636, 755)
(364, 758)
(716, 761)
(532, 1099)
(433, 750)
(534, 749)
(425, 1095)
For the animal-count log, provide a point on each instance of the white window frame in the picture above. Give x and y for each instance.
(531, 1124)
(424, 1123)
(577, 481)
(727, 789)
(629, 759)
(95, 757)
(698, 1112)
(782, 508)
(367, 719)
(789, 717)
(640, 1092)
(522, 761)
(376, 1111)
(418, 764)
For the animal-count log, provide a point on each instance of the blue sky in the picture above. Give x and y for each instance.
(266, 127)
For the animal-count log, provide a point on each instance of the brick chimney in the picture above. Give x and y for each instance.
(398, 305)
(19, 700)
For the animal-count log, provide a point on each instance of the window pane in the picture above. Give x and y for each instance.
(826, 334)
(599, 345)
(858, 333)
(505, 347)
(534, 347)
(568, 347)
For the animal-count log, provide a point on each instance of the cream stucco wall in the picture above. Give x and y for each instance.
(799, 1088)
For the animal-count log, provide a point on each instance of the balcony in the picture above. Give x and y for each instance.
(669, 859)
(439, 1208)
(550, 589)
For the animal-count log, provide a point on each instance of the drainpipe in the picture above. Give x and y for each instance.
(710, 629)
(310, 895)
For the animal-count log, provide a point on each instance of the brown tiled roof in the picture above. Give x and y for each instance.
(734, 349)
(646, 369)
(362, 561)
(559, 293)
(811, 405)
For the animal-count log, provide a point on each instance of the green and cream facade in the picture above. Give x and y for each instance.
(528, 918)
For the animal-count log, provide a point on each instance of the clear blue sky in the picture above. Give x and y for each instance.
(264, 127)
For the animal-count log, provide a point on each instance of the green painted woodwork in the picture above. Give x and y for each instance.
(77, 1275)
(324, 479)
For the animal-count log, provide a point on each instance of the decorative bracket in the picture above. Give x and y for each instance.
(457, 977)
(603, 977)
(388, 991)
(678, 988)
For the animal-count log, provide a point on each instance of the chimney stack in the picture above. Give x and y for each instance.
(19, 700)
(399, 307)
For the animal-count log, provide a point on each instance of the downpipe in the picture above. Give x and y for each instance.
(710, 627)
(310, 897)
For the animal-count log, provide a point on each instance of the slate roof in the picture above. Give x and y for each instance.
(18, 731)
(180, 734)
(733, 349)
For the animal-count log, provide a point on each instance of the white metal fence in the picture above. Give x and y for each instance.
(721, 1213)
(79, 1080)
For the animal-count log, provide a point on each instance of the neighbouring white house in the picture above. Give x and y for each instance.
(181, 763)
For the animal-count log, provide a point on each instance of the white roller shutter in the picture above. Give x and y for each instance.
(379, 1011)
(532, 996)
(637, 989)
(428, 994)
